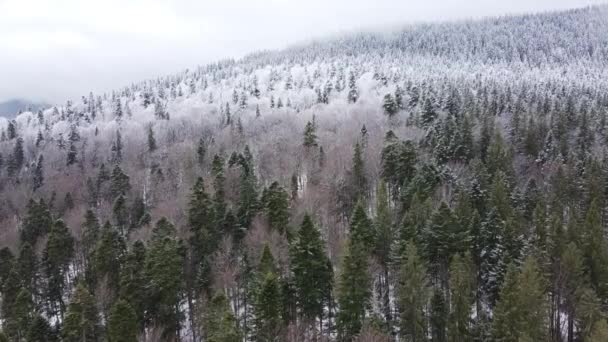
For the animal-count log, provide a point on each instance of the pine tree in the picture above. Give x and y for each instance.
(204, 234)
(11, 130)
(38, 178)
(81, 321)
(122, 325)
(521, 312)
(385, 234)
(37, 222)
(17, 158)
(461, 298)
(429, 113)
(413, 294)
(116, 149)
(389, 105)
(277, 207)
(438, 316)
(201, 151)
(310, 137)
(133, 282)
(268, 301)
(312, 275)
(353, 92)
(56, 258)
(107, 262)
(221, 324)
(362, 229)
(353, 291)
(118, 109)
(120, 214)
(358, 176)
(595, 251)
(119, 182)
(164, 273)
(151, 140)
(40, 331)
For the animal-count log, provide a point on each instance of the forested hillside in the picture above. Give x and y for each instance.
(444, 182)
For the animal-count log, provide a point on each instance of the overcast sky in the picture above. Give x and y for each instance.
(52, 50)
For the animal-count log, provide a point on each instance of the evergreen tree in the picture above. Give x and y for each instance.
(354, 291)
(358, 176)
(461, 297)
(40, 331)
(277, 207)
(133, 282)
(201, 151)
(438, 316)
(429, 114)
(122, 324)
(116, 149)
(81, 321)
(221, 324)
(389, 105)
(385, 234)
(120, 214)
(151, 140)
(57, 257)
(413, 294)
(38, 178)
(310, 136)
(353, 92)
(362, 229)
(164, 274)
(312, 275)
(521, 312)
(17, 158)
(119, 182)
(268, 301)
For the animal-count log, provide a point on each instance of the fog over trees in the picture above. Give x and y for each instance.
(444, 182)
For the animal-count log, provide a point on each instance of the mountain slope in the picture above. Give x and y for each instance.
(488, 135)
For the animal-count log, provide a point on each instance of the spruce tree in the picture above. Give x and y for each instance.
(413, 294)
(151, 140)
(312, 276)
(353, 291)
(133, 282)
(81, 319)
(164, 273)
(389, 105)
(221, 324)
(56, 258)
(521, 312)
(38, 177)
(310, 136)
(268, 300)
(438, 316)
(122, 324)
(277, 207)
(429, 114)
(461, 298)
(40, 331)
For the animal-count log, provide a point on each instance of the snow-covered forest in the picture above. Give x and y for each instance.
(443, 182)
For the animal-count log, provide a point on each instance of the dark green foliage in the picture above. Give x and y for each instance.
(220, 323)
(389, 105)
(133, 282)
(312, 277)
(37, 222)
(275, 200)
(268, 303)
(310, 136)
(398, 162)
(56, 259)
(412, 295)
(164, 274)
(151, 140)
(122, 324)
(38, 177)
(40, 331)
(81, 319)
(353, 290)
(119, 182)
(438, 317)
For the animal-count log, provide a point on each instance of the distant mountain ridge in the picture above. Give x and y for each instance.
(11, 108)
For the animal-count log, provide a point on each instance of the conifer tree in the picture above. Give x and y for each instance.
(133, 282)
(310, 136)
(268, 301)
(122, 325)
(277, 207)
(312, 276)
(361, 228)
(151, 140)
(164, 274)
(358, 177)
(40, 331)
(389, 105)
(413, 295)
(461, 298)
(438, 316)
(353, 92)
(221, 324)
(429, 114)
(81, 320)
(384, 237)
(57, 257)
(119, 182)
(116, 149)
(201, 151)
(353, 291)
(38, 178)
(521, 312)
